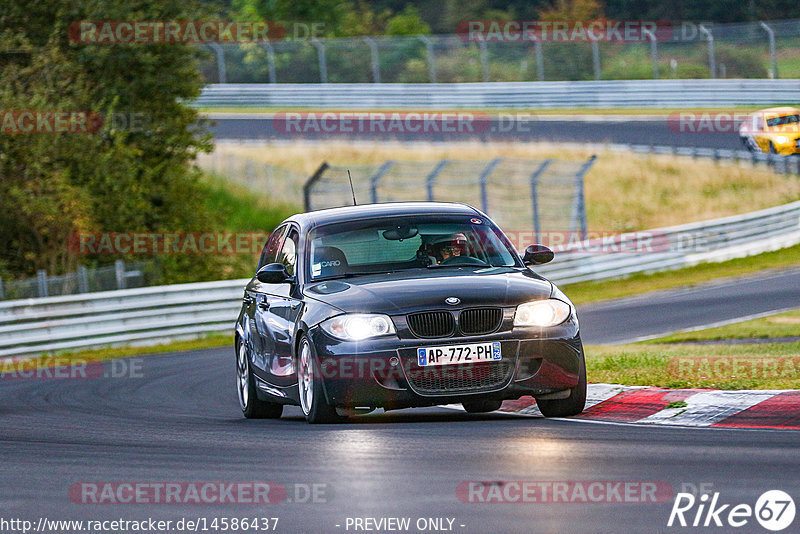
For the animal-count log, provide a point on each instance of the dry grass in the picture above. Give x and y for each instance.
(624, 191)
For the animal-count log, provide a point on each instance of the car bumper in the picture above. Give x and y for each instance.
(383, 372)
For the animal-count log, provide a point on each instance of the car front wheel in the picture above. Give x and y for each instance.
(252, 407)
(572, 405)
(309, 383)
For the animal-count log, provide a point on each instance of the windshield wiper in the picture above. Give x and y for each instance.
(348, 274)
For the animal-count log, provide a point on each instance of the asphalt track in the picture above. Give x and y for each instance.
(176, 419)
(666, 131)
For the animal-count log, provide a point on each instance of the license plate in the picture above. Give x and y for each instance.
(455, 354)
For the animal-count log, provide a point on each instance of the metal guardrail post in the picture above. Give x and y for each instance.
(373, 182)
(596, 60)
(119, 271)
(712, 66)
(537, 47)
(83, 279)
(484, 51)
(773, 60)
(431, 57)
(653, 51)
(41, 279)
(483, 180)
(2, 291)
(222, 74)
(310, 183)
(376, 62)
(323, 62)
(271, 62)
(581, 211)
(535, 198)
(431, 178)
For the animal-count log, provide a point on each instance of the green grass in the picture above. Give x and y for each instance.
(780, 325)
(762, 366)
(242, 210)
(584, 292)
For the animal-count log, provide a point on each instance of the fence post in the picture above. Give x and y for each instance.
(653, 52)
(537, 47)
(83, 279)
(376, 62)
(484, 50)
(271, 62)
(221, 72)
(373, 182)
(535, 198)
(712, 67)
(310, 183)
(429, 180)
(2, 291)
(579, 178)
(41, 279)
(119, 271)
(596, 59)
(323, 63)
(431, 57)
(773, 60)
(483, 179)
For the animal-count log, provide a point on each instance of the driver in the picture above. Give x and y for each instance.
(449, 246)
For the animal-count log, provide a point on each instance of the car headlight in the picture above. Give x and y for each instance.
(548, 312)
(358, 326)
(781, 139)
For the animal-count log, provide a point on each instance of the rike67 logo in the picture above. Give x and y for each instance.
(774, 510)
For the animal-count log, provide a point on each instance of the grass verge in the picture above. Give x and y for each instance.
(762, 366)
(781, 325)
(585, 292)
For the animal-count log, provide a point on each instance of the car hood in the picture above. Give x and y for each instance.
(407, 292)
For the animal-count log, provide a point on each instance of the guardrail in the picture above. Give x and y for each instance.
(124, 317)
(505, 95)
(145, 315)
(779, 163)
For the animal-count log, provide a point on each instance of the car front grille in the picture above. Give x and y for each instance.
(454, 379)
(432, 324)
(480, 320)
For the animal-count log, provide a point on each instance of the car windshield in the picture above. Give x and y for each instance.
(785, 119)
(395, 244)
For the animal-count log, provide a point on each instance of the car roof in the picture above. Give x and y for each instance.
(311, 219)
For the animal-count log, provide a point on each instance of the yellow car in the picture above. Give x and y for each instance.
(774, 130)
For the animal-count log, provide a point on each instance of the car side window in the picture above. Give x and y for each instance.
(288, 253)
(272, 247)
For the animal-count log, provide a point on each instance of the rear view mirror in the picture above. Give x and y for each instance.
(274, 273)
(537, 255)
(398, 233)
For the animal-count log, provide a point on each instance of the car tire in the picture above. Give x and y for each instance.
(481, 406)
(572, 405)
(252, 407)
(309, 385)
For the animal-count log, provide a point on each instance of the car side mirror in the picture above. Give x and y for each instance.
(537, 255)
(273, 273)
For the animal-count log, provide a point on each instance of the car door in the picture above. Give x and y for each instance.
(256, 301)
(277, 315)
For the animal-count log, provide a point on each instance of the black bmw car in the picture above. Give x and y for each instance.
(399, 305)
